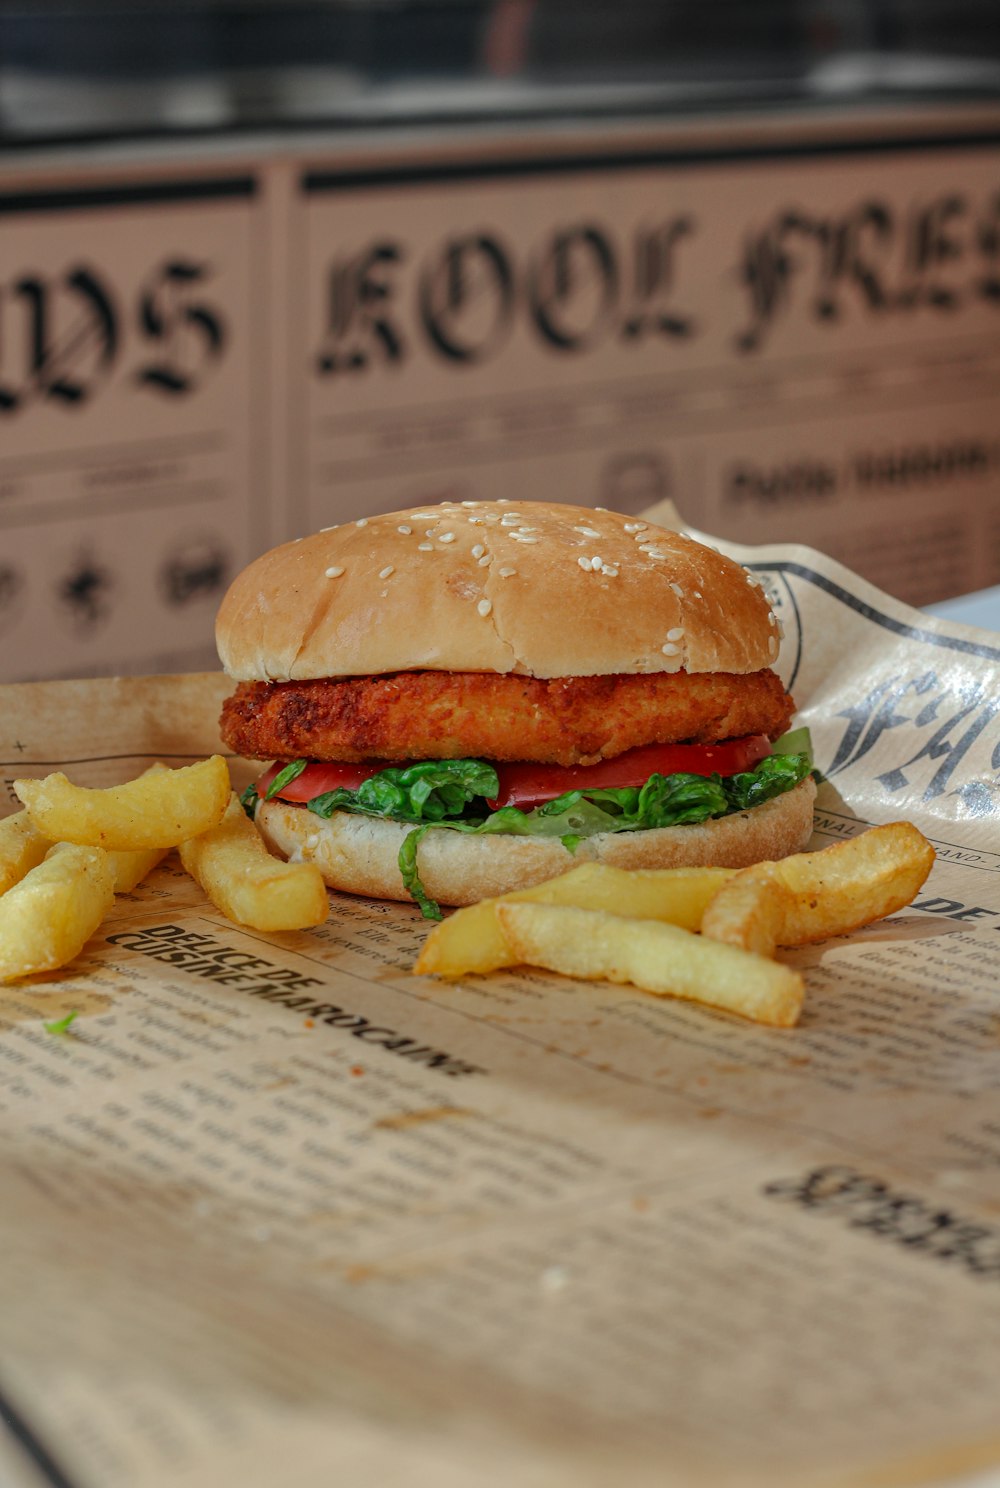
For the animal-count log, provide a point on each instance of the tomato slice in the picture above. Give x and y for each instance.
(319, 777)
(527, 785)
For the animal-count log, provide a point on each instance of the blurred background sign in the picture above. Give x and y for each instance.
(133, 403)
(265, 266)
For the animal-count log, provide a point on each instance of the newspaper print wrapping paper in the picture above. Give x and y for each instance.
(275, 1210)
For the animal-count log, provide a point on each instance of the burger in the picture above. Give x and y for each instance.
(462, 699)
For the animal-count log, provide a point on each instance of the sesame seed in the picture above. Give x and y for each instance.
(596, 561)
(678, 590)
(485, 561)
(670, 649)
(600, 508)
(510, 519)
(612, 573)
(772, 646)
(330, 529)
(781, 630)
(425, 547)
(524, 539)
(585, 564)
(587, 531)
(771, 620)
(385, 572)
(506, 573)
(484, 606)
(529, 529)
(753, 581)
(470, 503)
(476, 521)
(676, 633)
(404, 530)
(478, 550)
(334, 572)
(447, 537)
(635, 526)
(361, 522)
(697, 593)
(424, 516)
(429, 531)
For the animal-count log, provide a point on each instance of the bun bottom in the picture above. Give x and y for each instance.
(358, 854)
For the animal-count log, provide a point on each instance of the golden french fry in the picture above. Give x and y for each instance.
(130, 868)
(656, 957)
(241, 878)
(751, 912)
(47, 918)
(22, 847)
(161, 808)
(811, 896)
(472, 940)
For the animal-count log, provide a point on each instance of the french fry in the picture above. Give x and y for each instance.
(22, 847)
(752, 912)
(47, 918)
(130, 868)
(656, 957)
(241, 878)
(811, 896)
(472, 939)
(159, 809)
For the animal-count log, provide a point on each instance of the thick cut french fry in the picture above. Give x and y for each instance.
(161, 808)
(656, 957)
(811, 896)
(130, 868)
(241, 878)
(22, 847)
(751, 913)
(472, 940)
(47, 918)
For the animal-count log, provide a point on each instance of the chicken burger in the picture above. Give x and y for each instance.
(462, 699)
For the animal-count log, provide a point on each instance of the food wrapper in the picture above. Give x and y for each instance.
(276, 1210)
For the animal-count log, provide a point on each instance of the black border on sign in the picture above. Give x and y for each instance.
(29, 1443)
(331, 179)
(126, 193)
(878, 617)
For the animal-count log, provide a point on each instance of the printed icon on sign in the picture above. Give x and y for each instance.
(11, 590)
(634, 482)
(197, 568)
(84, 593)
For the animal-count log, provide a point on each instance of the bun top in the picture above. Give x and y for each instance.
(493, 586)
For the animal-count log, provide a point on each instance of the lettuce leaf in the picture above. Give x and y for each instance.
(428, 791)
(796, 741)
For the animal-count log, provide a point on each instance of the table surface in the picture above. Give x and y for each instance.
(981, 608)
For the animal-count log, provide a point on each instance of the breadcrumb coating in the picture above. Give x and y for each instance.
(498, 716)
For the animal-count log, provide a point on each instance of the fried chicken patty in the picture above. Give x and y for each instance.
(457, 715)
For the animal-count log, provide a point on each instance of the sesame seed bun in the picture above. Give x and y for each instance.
(535, 588)
(358, 854)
